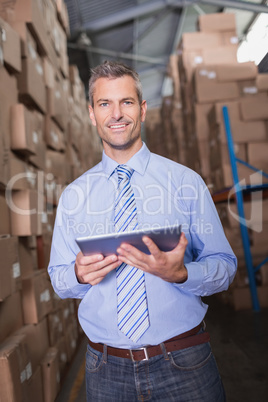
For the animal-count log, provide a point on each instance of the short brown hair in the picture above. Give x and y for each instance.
(111, 69)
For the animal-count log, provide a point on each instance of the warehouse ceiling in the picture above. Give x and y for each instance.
(143, 34)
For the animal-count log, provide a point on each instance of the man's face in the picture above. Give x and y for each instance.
(117, 113)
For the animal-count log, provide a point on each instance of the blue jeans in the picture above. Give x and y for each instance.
(186, 375)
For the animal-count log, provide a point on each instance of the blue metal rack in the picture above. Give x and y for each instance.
(239, 189)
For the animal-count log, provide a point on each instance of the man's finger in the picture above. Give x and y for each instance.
(152, 247)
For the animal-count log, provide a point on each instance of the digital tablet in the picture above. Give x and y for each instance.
(166, 238)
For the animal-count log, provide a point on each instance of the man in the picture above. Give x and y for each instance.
(164, 354)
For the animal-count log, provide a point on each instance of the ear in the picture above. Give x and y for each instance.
(92, 115)
(143, 110)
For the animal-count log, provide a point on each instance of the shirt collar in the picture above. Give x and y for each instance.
(138, 162)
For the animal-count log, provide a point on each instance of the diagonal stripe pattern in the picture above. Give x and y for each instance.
(132, 310)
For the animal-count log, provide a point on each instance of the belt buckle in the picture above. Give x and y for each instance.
(145, 354)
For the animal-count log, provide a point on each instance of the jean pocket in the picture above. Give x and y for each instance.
(191, 358)
(94, 360)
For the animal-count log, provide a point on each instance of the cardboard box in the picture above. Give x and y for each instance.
(71, 337)
(242, 297)
(11, 318)
(205, 40)
(55, 327)
(10, 47)
(36, 297)
(216, 91)
(37, 342)
(57, 164)
(54, 136)
(31, 84)
(30, 12)
(23, 135)
(57, 106)
(51, 374)
(258, 155)
(254, 109)
(26, 213)
(22, 175)
(201, 120)
(5, 228)
(205, 57)
(16, 369)
(217, 22)
(10, 273)
(262, 82)
(35, 386)
(242, 132)
(25, 257)
(63, 16)
(9, 97)
(62, 348)
(38, 159)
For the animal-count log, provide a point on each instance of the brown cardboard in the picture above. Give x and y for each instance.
(54, 136)
(35, 386)
(62, 348)
(15, 369)
(217, 22)
(201, 120)
(9, 97)
(63, 16)
(49, 73)
(25, 213)
(25, 257)
(262, 82)
(205, 40)
(55, 327)
(37, 341)
(216, 91)
(244, 132)
(10, 46)
(57, 164)
(31, 13)
(204, 151)
(57, 106)
(23, 135)
(71, 337)
(31, 84)
(10, 273)
(242, 297)
(36, 297)
(22, 175)
(258, 155)
(254, 109)
(11, 317)
(38, 159)
(5, 228)
(51, 374)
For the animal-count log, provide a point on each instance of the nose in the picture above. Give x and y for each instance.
(117, 113)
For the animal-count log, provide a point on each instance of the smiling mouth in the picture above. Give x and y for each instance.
(118, 126)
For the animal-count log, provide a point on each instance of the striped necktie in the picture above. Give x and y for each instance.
(132, 310)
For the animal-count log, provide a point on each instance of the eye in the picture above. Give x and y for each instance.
(104, 104)
(128, 102)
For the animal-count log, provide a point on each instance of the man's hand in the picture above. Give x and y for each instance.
(167, 265)
(92, 269)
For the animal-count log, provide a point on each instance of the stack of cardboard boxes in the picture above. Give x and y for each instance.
(46, 141)
(210, 77)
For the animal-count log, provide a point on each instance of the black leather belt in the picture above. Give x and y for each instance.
(182, 341)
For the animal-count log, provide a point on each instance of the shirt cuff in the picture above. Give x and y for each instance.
(78, 289)
(195, 277)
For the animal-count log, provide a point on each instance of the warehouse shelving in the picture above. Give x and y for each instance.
(239, 193)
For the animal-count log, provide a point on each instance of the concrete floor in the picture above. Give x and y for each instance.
(240, 344)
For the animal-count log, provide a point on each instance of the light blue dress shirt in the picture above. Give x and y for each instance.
(166, 193)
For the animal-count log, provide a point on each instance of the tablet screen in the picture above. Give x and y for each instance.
(166, 238)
